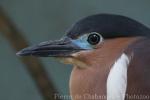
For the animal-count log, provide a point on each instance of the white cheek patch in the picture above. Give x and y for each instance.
(117, 79)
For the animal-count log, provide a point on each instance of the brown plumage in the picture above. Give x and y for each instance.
(95, 45)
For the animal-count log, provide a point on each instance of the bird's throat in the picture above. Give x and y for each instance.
(73, 61)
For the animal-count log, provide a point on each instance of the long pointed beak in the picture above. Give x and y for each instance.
(58, 48)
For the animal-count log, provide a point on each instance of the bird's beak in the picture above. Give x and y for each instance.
(58, 48)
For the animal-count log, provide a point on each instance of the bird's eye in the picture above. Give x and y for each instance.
(94, 38)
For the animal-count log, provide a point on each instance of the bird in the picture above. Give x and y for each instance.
(110, 55)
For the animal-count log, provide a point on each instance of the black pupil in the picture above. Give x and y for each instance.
(93, 39)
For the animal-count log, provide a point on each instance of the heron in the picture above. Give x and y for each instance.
(110, 54)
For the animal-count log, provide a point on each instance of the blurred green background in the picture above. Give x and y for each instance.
(41, 20)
